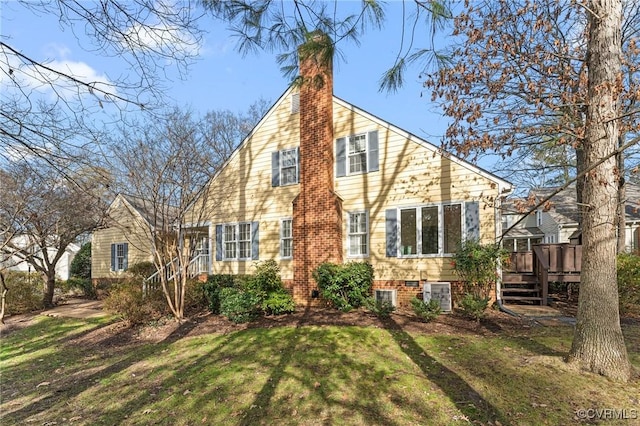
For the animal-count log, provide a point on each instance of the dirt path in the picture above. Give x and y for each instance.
(70, 308)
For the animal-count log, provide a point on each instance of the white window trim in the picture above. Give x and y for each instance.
(418, 209)
(538, 218)
(295, 166)
(282, 238)
(368, 235)
(366, 154)
(236, 226)
(116, 260)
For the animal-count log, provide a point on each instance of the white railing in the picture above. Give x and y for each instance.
(199, 264)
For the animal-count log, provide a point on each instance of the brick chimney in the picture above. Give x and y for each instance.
(317, 210)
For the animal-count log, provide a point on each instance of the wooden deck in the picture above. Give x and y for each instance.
(527, 277)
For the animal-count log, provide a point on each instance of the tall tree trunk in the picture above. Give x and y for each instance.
(598, 345)
(621, 219)
(49, 279)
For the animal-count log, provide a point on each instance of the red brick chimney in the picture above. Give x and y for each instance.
(317, 210)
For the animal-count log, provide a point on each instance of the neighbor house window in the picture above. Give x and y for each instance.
(430, 230)
(358, 238)
(288, 166)
(357, 154)
(119, 255)
(286, 238)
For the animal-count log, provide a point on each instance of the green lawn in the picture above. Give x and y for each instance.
(309, 375)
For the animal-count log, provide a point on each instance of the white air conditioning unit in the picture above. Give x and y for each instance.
(440, 292)
(387, 296)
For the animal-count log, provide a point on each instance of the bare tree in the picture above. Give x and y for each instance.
(42, 213)
(142, 36)
(167, 165)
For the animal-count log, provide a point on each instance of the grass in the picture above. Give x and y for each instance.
(308, 375)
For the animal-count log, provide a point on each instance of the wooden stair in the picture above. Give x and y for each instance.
(520, 287)
(529, 273)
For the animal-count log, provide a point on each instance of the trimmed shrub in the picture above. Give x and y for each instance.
(346, 286)
(427, 312)
(213, 286)
(81, 264)
(266, 279)
(278, 303)
(381, 309)
(238, 305)
(25, 292)
(629, 283)
(473, 306)
(243, 297)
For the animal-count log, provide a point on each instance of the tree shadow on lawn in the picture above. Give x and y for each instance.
(324, 384)
(59, 392)
(465, 398)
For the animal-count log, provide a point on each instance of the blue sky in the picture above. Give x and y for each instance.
(224, 79)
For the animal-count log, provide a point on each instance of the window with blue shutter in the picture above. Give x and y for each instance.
(357, 154)
(237, 241)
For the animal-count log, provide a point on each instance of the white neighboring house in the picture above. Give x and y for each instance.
(63, 267)
(558, 222)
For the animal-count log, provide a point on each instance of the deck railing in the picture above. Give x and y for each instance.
(548, 262)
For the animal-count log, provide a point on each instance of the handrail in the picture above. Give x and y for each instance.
(541, 269)
(154, 278)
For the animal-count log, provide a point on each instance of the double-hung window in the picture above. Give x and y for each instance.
(244, 240)
(285, 165)
(286, 238)
(358, 235)
(230, 241)
(237, 241)
(288, 166)
(357, 155)
(119, 255)
(430, 230)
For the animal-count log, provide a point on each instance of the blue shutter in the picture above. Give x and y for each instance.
(113, 257)
(374, 163)
(298, 168)
(125, 250)
(391, 225)
(472, 220)
(341, 157)
(275, 168)
(218, 242)
(255, 239)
